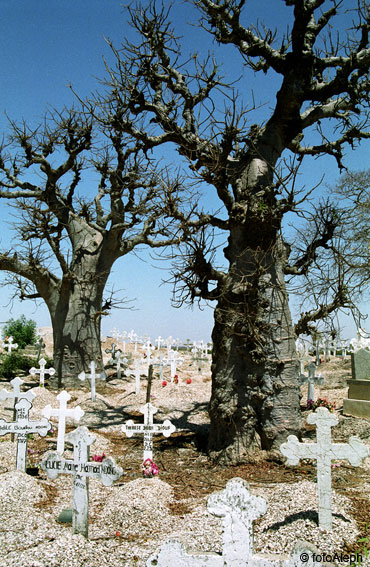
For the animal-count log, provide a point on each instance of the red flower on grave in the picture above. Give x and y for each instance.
(117, 534)
(164, 383)
(176, 379)
(188, 381)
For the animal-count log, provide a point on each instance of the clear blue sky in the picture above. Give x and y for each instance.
(46, 45)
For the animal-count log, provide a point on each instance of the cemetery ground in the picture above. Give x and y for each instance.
(129, 520)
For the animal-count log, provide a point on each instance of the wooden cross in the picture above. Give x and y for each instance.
(148, 428)
(62, 413)
(111, 350)
(21, 427)
(16, 395)
(9, 345)
(42, 371)
(173, 360)
(119, 361)
(92, 377)
(161, 362)
(324, 451)
(159, 340)
(312, 380)
(82, 469)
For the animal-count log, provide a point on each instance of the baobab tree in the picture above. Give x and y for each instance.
(319, 108)
(85, 197)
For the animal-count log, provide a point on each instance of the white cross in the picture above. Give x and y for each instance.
(82, 469)
(117, 358)
(137, 373)
(42, 371)
(148, 428)
(311, 379)
(174, 360)
(62, 413)
(159, 341)
(92, 377)
(324, 451)
(9, 345)
(161, 362)
(16, 394)
(21, 427)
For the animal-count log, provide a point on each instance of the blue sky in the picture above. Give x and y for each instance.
(45, 45)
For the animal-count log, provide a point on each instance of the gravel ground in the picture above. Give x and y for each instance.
(130, 520)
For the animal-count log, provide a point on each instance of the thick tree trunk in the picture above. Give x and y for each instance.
(76, 330)
(255, 395)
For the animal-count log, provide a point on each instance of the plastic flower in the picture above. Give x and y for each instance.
(99, 458)
(164, 383)
(188, 381)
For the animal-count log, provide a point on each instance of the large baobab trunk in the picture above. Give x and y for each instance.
(255, 394)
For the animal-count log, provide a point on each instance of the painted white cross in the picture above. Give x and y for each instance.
(137, 373)
(159, 341)
(42, 371)
(311, 379)
(324, 451)
(62, 413)
(16, 394)
(119, 361)
(238, 509)
(9, 345)
(92, 377)
(21, 427)
(174, 360)
(82, 469)
(148, 428)
(161, 362)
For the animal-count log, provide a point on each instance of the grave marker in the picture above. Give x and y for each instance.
(42, 371)
(22, 427)
(92, 377)
(16, 395)
(82, 469)
(10, 345)
(324, 451)
(148, 428)
(238, 509)
(312, 380)
(62, 413)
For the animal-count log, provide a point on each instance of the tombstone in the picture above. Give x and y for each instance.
(238, 509)
(148, 428)
(324, 451)
(42, 371)
(92, 377)
(312, 380)
(82, 469)
(62, 413)
(358, 402)
(22, 427)
(9, 345)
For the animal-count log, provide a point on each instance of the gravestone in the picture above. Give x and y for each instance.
(9, 345)
(238, 509)
(42, 371)
(92, 377)
(312, 380)
(358, 402)
(148, 428)
(62, 413)
(16, 395)
(82, 469)
(324, 451)
(21, 428)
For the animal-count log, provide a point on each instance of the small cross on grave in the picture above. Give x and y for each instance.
(22, 427)
(159, 341)
(238, 509)
(173, 360)
(42, 371)
(119, 361)
(111, 350)
(92, 377)
(148, 428)
(161, 362)
(16, 395)
(10, 345)
(39, 345)
(324, 451)
(62, 413)
(137, 372)
(82, 469)
(312, 380)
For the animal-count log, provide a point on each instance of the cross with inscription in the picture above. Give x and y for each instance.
(21, 427)
(82, 469)
(92, 377)
(42, 371)
(148, 428)
(10, 345)
(324, 451)
(16, 395)
(62, 413)
(311, 379)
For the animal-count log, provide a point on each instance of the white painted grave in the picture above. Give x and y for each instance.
(42, 371)
(82, 469)
(9, 345)
(312, 380)
(324, 451)
(92, 377)
(22, 427)
(148, 428)
(62, 413)
(238, 509)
